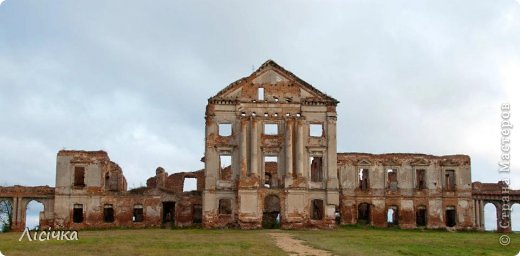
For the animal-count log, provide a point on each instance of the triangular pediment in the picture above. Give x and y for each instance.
(364, 162)
(278, 84)
(420, 161)
(270, 76)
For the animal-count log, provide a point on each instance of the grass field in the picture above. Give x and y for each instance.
(343, 241)
(370, 241)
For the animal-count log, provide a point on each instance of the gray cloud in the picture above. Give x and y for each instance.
(133, 78)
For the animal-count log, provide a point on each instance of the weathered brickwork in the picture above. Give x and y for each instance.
(91, 192)
(282, 148)
(422, 190)
(270, 161)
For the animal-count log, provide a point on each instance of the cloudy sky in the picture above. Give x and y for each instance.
(133, 77)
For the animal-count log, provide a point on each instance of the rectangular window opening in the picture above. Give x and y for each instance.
(270, 171)
(420, 179)
(450, 180)
(79, 176)
(316, 168)
(224, 206)
(224, 129)
(316, 130)
(392, 179)
(225, 171)
(138, 213)
(77, 213)
(271, 129)
(363, 179)
(261, 93)
(190, 184)
(108, 213)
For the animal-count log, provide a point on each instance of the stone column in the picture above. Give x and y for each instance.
(254, 148)
(243, 148)
(476, 211)
(299, 148)
(499, 217)
(289, 147)
(211, 155)
(481, 209)
(14, 214)
(18, 220)
(332, 155)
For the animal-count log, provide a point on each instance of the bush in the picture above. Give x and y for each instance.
(5, 228)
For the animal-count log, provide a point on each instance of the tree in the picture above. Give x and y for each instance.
(6, 215)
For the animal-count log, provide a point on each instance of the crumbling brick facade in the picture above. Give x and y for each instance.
(91, 192)
(270, 161)
(420, 190)
(282, 145)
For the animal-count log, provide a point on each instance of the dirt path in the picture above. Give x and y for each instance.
(296, 247)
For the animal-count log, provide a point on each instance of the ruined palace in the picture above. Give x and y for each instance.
(270, 161)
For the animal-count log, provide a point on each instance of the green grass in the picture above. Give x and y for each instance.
(147, 242)
(374, 241)
(343, 241)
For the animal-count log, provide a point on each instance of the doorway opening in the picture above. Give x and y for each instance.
(392, 216)
(6, 215)
(451, 216)
(421, 216)
(271, 217)
(364, 214)
(168, 214)
(33, 214)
